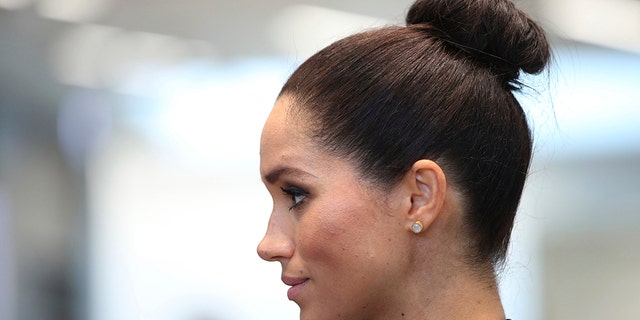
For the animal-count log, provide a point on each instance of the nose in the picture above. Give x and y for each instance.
(277, 243)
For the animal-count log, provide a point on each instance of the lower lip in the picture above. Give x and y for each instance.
(294, 291)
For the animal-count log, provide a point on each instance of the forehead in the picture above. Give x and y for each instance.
(275, 125)
(284, 140)
(288, 152)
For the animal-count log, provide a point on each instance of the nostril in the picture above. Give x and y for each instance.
(277, 243)
(271, 249)
(262, 253)
(264, 250)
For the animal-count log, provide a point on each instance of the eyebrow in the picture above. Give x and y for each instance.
(273, 176)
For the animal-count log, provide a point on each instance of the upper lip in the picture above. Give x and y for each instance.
(292, 281)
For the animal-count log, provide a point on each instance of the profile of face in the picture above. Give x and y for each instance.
(399, 102)
(340, 240)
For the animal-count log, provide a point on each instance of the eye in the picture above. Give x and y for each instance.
(297, 196)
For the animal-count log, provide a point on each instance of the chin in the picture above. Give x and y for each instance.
(310, 314)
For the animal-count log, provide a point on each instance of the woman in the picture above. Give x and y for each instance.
(396, 159)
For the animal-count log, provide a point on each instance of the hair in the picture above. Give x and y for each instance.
(439, 88)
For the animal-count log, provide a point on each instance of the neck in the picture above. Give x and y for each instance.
(439, 280)
(459, 295)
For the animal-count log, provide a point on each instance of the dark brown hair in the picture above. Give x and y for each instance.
(440, 88)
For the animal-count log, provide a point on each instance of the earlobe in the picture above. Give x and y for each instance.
(428, 183)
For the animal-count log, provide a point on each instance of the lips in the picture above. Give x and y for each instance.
(297, 285)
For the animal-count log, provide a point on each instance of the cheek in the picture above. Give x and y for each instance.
(336, 234)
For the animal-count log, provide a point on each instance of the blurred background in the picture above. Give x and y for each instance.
(129, 134)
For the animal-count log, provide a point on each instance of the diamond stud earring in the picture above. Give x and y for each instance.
(416, 227)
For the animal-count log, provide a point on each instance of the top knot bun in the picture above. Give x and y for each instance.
(493, 32)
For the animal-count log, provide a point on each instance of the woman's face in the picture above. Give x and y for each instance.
(338, 238)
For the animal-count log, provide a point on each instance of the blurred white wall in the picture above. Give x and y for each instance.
(7, 293)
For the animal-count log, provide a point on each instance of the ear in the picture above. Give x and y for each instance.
(428, 186)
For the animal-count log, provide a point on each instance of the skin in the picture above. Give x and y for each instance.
(346, 247)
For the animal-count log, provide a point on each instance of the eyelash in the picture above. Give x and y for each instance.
(294, 193)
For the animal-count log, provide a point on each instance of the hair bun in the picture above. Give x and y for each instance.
(493, 32)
